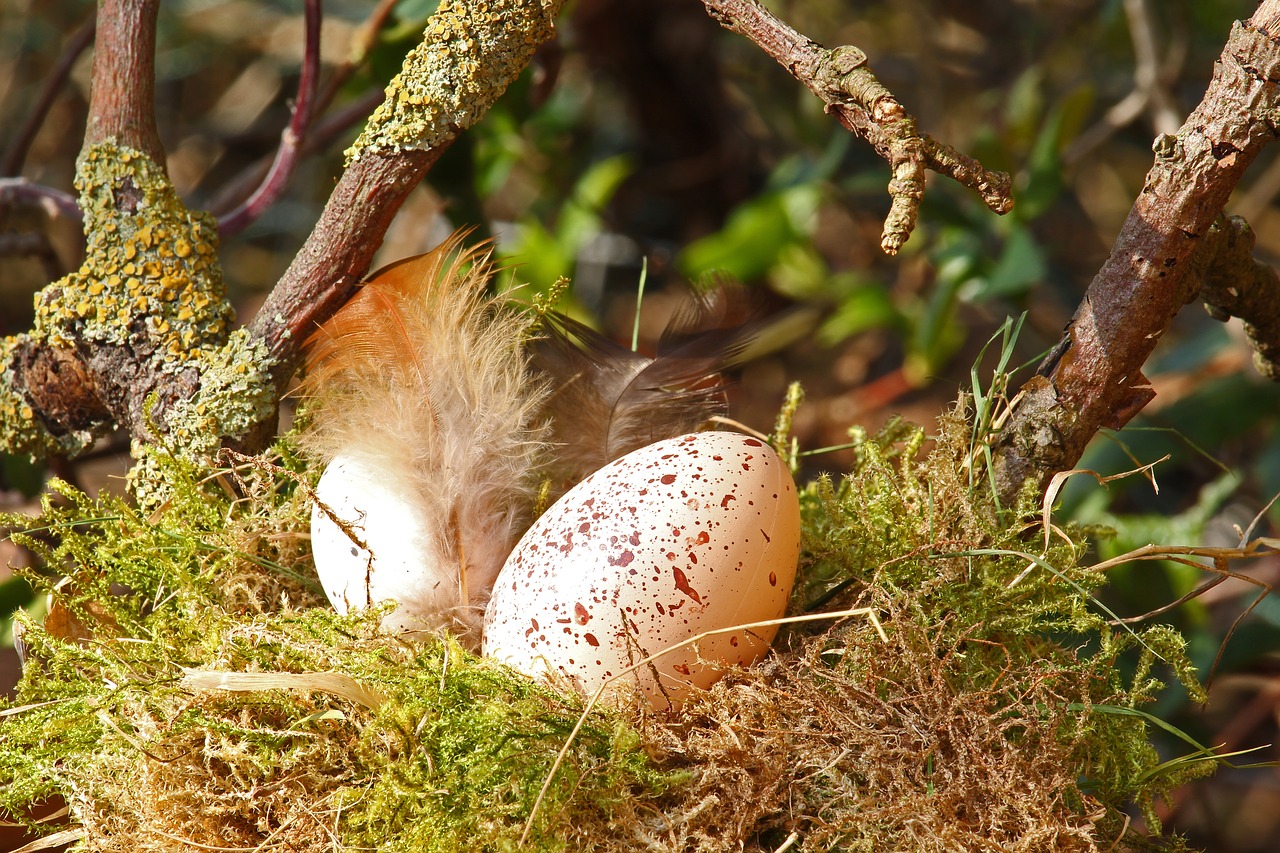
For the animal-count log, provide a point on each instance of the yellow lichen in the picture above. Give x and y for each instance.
(469, 54)
(129, 261)
(149, 257)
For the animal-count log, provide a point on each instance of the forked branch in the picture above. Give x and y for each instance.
(851, 92)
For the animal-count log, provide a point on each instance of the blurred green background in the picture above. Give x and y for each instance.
(648, 134)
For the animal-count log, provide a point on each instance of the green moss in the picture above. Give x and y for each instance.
(452, 759)
(469, 54)
(996, 615)
(995, 715)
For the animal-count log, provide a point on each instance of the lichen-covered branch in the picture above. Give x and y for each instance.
(139, 337)
(1235, 284)
(469, 55)
(1093, 378)
(842, 79)
(125, 339)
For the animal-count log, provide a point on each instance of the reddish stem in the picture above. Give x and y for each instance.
(55, 203)
(289, 152)
(122, 104)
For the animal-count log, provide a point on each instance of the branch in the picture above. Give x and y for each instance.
(17, 153)
(1149, 93)
(127, 336)
(323, 128)
(1237, 285)
(55, 203)
(470, 53)
(138, 336)
(122, 102)
(1093, 378)
(841, 78)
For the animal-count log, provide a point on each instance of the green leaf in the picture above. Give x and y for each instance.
(863, 307)
(1021, 265)
(756, 233)
(1044, 166)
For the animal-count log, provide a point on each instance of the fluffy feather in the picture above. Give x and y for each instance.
(608, 400)
(422, 376)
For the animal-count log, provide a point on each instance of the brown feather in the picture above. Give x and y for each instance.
(607, 400)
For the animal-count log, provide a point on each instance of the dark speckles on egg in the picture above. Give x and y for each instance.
(668, 479)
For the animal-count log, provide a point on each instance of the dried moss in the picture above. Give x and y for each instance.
(995, 716)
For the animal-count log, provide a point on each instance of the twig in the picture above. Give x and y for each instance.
(324, 127)
(851, 92)
(323, 131)
(1148, 94)
(1165, 115)
(1237, 285)
(469, 55)
(362, 45)
(32, 244)
(288, 154)
(55, 203)
(21, 144)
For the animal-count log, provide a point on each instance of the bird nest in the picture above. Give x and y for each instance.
(190, 688)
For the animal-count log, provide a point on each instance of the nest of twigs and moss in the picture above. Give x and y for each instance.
(191, 689)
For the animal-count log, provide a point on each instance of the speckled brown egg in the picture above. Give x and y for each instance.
(688, 535)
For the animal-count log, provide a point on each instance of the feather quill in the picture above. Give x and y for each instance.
(424, 378)
(608, 400)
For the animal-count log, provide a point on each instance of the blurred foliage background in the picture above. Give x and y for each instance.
(646, 134)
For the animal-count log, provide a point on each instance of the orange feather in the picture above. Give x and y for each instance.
(423, 376)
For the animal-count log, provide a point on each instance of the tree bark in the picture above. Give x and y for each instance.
(1093, 378)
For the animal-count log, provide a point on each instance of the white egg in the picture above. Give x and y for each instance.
(380, 511)
(688, 535)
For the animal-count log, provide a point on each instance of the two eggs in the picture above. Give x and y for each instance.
(684, 538)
